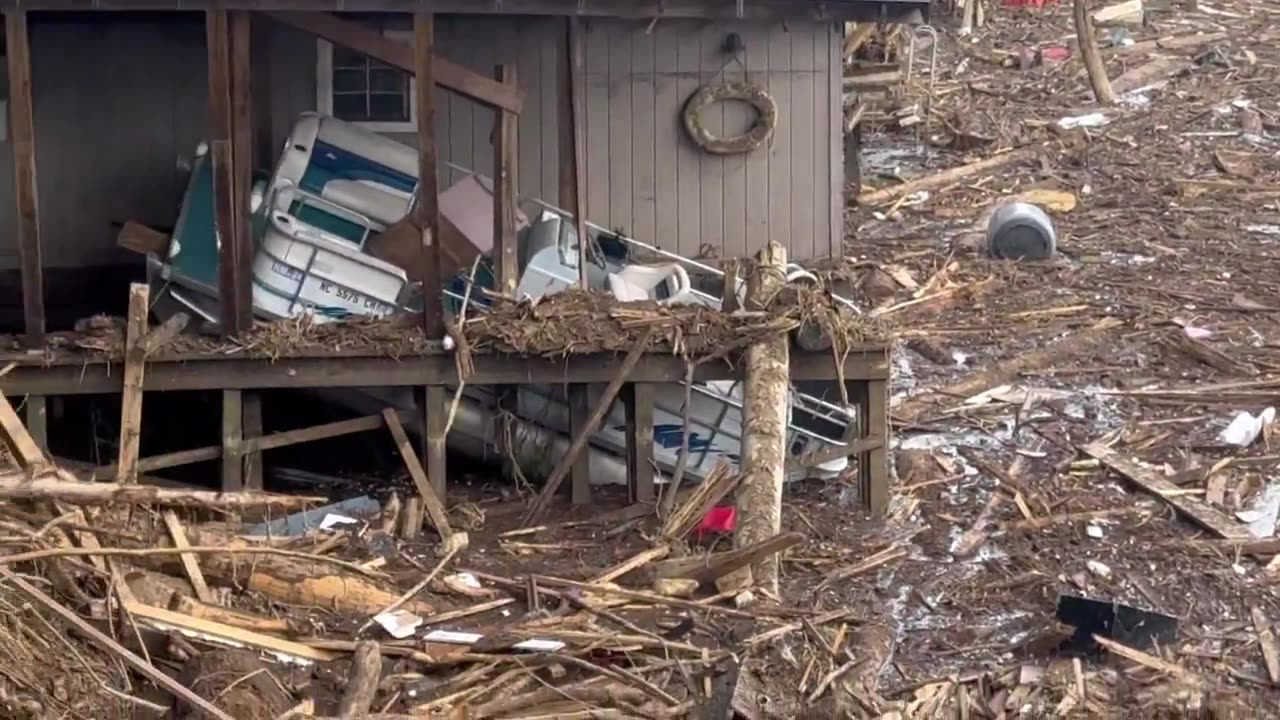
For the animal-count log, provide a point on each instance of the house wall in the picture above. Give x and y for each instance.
(120, 100)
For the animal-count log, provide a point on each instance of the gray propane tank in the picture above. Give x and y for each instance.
(1021, 231)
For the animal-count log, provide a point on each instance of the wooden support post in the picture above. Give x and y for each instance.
(872, 398)
(435, 406)
(580, 468)
(639, 402)
(764, 426)
(135, 363)
(505, 176)
(222, 107)
(362, 685)
(572, 177)
(22, 130)
(582, 434)
(1093, 62)
(253, 468)
(242, 166)
(232, 435)
(427, 205)
(37, 413)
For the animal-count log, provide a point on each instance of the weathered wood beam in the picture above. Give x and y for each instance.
(242, 165)
(232, 436)
(23, 140)
(580, 469)
(505, 173)
(135, 363)
(573, 191)
(448, 75)
(221, 134)
(212, 373)
(427, 206)
(639, 404)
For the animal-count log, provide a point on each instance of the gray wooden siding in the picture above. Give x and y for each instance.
(120, 103)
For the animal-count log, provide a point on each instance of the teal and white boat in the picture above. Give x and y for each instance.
(336, 186)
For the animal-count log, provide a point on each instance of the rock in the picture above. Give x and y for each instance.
(877, 284)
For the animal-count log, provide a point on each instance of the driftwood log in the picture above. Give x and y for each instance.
(764, 443)
(62, 487)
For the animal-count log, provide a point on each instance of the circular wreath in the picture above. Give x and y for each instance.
(748, 92)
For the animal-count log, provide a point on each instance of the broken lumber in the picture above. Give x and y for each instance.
(24, 447)
(178, 535)
(765, 406)
(1097, 69)
(141, 239)
(102, 640)
(631, 564)
(192, 607)
(580, 440)
(706, 496)
(1009, 370)
(1194, 509)
(1267, 641)
(362, 682)
(426, 491)
(947, 177)
(135, 363)
(62, 487)
(708, 568)
(220, 634)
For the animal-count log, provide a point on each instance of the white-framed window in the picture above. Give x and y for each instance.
(356, 88)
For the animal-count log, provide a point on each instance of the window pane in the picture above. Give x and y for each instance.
(388, 80)
(351, 107)
(343, 57)
(388, 107)
(349, 81)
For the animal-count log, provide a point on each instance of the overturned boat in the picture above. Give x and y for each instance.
(331, 240)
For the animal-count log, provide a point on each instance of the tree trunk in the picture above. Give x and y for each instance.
(766, 400)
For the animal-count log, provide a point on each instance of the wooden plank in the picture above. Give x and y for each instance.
(573, 192)
(1267, 641)
(621, 128)
(431, 500)
(644, 148)
(688, 159)
(446, 74)
(214, 373)
(101, 639)
(27, 204)
(707, 568)
(427, 207)
(580, 467)
(667, 142)
(714, 190)
(24, 447)
(805, 83)
(189, 563)
(639, 403)
(829, 134)
(1194, 509)
(541, 128)
(232, 436)
(164, 619)
(253, 468)
(755, 164)
(631, 564)
(218, 42)
(141, 239)
(135, 363)
(583, 433)
(241, 170)
(778, 188)
(506, 173)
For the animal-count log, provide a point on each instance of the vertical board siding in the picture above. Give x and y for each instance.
(141, 82)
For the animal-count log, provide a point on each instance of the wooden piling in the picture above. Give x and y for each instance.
(764, 422)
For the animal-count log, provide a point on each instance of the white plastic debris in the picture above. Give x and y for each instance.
(1094, 531)
(451, 637)
(1091, 120)
(1246, 427)
(1262, 517)
(400, 624)
(1099, 569)
(333, 520)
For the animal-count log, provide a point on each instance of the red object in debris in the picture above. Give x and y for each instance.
(1055, 53)
(720, 519)
(1027, 3)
